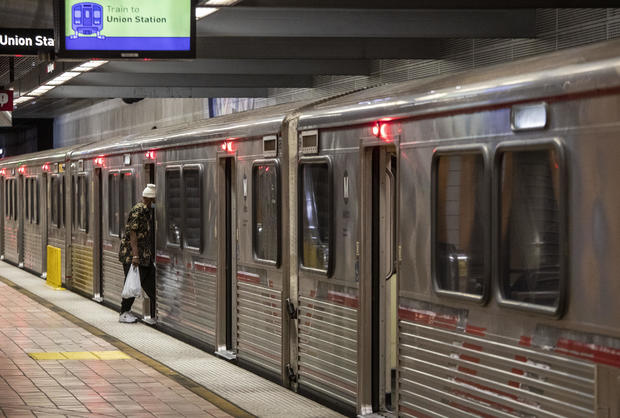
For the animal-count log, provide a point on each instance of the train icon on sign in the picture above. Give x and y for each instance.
(87, 19)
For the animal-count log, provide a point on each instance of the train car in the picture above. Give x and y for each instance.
(12, 239)
(104, 187)
(506, 249)
(33, 208)
(221, 281)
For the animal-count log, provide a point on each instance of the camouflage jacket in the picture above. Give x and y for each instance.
(138, 221)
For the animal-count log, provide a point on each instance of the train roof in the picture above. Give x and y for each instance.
(568, 72)
(48, 156)
(263, 121)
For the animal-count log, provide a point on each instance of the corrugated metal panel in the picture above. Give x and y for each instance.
(113, 281)
(33, 255)
(186, 301)
(328, 348)
(450, 372)
(11, 252)
(259, 325)
(82, 268)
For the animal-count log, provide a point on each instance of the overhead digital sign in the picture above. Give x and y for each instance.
(126, 29)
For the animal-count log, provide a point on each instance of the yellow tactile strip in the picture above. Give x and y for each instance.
(80, 355)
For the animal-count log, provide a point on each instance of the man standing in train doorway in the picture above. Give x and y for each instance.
(136, 249)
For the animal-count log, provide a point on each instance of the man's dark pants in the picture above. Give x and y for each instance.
(147, 280)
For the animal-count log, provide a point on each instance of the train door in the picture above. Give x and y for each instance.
(42, 203)
(98, 236)
(227, 245)
(20, 220)
(148, 304)
(377, 355)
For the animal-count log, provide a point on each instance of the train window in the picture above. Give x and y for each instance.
(114, 219)
(37, 207)
(266, 211)
(15, 202)
(316, 215)
(62, 205)
(192, 198)
(173, 205)
(126, 198)
(74, 201)
(530, 226)
(460, 248)
(82, 202)
(31, 200)
(27, 199)
(54, 201)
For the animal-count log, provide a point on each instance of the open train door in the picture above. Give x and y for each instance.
(377, 353)
(227, 246)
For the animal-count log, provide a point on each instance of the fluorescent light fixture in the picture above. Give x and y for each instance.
(63, 78)
(219, 2)
(40, 90)
(89, 65)
(205, 11)
(23, 99)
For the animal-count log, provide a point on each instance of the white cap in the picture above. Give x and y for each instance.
(150, 191)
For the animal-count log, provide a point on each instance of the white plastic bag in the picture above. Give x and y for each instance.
(132, 288)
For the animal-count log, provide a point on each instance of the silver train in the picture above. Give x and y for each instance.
(441, 247)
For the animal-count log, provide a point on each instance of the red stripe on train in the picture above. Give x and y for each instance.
(342, 299)
(162, 259)
(478, 331)
(248, 277)
(206, 268)
(596, 353)
(428, 318)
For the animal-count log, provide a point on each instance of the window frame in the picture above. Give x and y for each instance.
(82, 205)
(184, 244)
(37, 201)
(111, 174)
(15, 210)
(123, 174)
(457, 150)
(323, 159)
(27, 199)
(532, 145)
(276, 164)
(179, 168)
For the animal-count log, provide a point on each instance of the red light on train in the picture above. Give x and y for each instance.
(22, 169)
(381, 130)
(45, 167)
(150, 155)
(99, 161)
(228, 146)
(3, 172)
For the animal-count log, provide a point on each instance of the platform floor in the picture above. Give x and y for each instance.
(63, 355)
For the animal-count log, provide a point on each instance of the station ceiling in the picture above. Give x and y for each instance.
(247, 48)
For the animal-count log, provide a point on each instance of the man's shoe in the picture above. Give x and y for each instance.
(127, 318)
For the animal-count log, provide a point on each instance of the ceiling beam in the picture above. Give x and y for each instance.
(240, 66)
(368, 23)
(98, 92)
(189, 80)
(235, 47)
(426, 4)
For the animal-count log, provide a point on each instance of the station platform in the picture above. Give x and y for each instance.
(64, 355)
